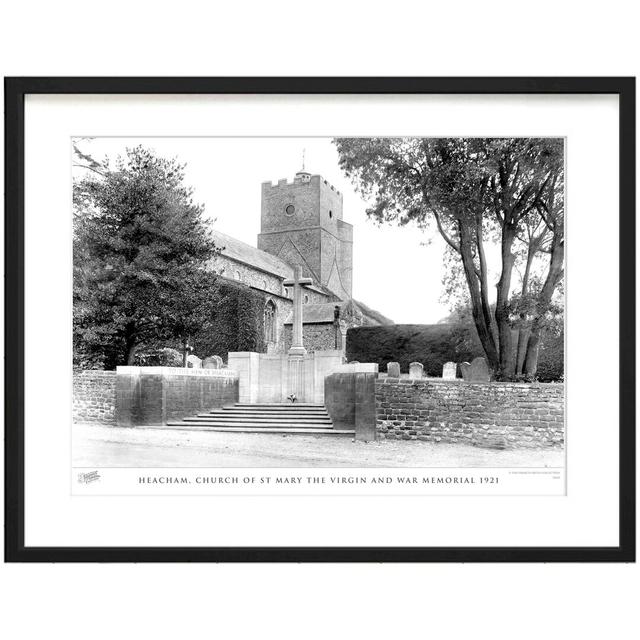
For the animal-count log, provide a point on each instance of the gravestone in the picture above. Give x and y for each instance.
(479, 371)
(449, 371)
(416, 369)
(212, 362)
(465, 370)
(393, 369)
(193, 362)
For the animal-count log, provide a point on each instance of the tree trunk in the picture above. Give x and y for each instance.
(524, 332)
(484, 287)
(523, 342)
(131, 353)
(477, 307)
(544, 299)
(130, 343)
(506, 369)
(533, 350)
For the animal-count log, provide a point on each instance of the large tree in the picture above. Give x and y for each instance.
(141, 250)
(475, 192)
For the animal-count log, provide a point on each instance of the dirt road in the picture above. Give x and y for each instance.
(96, 446)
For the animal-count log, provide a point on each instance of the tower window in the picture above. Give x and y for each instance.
(306, 298)
(290, 210)
(330, 213)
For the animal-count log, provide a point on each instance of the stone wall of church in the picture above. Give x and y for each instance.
(270, 284)
(248, 275)
(299, 247)
(275, 198)
(345, 256)
(317, 337)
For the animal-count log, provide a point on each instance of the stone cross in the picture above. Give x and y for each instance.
(298, 283)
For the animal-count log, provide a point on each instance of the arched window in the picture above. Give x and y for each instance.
(270, 321)
(306, 298)
(236, 275)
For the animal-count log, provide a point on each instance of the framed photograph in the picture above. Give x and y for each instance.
(320, 319)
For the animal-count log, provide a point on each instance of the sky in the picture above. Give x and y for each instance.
(396, 270)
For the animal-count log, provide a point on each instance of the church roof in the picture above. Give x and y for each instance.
(243, 252)
(315, 313)
(323, 313)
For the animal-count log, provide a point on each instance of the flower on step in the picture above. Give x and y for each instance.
(292, 397)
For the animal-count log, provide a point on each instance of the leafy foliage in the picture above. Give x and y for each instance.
(474, 191)
(551, 358)
(141, 250)
(235, 321)
(161, 357)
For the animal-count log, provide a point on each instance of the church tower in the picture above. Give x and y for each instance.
(302, 224)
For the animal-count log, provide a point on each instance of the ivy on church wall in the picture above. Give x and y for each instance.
(237, 322)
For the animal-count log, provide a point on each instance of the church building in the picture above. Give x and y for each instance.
(302, 225)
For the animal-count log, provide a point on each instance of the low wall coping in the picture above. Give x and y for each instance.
(384, 379)
(177, 371)
(361, 367)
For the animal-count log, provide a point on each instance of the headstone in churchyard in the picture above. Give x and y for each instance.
(393, 369)
(465, 370)
(449, 370)
(479, 371)
(212, 362)
(193, 362)
(415, 370)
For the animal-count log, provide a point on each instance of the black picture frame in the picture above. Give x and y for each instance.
(15, 91)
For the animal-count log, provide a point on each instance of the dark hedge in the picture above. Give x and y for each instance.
(435, 344)
(430, 344)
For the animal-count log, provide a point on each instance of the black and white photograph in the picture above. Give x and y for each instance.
(290, 302)
(321, 320)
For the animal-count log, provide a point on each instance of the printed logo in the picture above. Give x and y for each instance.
(90, 476)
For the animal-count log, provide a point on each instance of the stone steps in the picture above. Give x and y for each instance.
(278, 405)
(264, 418)
(260, 421)
(266, 414)
(235, 429)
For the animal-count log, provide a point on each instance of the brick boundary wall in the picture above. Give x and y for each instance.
(94, 397)
(158, 395)
(350, 401)
(497, 415)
